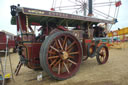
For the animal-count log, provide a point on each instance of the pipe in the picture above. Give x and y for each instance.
(90, 8)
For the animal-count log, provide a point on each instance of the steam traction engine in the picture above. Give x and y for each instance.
(63, 42)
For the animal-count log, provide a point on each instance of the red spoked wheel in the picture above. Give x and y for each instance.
(61, 55)
(102, 54)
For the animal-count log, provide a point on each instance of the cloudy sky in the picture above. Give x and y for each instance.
(47, 4)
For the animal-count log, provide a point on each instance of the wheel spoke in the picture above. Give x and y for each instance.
(71, 45)
(52, 57)
(66, 67)
(59, 68)
(104, 53)
(53, 62)
(50, 52)
(101, 54)
(57, 63)
(64, 42)
(56, 44)
(71, 56)
(67, 62)
(102, 58)
(70, 49)
(54, 49)
(73, 53)
(72, 62)
(66, 46)
(60, 44)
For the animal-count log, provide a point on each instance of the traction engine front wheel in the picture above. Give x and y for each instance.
(61, 55)
(102, 54)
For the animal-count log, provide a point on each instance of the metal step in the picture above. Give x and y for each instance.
(18, 68)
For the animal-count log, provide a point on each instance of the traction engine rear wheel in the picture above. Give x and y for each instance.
(102, 54)
(61, 55)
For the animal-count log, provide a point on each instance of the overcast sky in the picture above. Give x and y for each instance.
(5, 15)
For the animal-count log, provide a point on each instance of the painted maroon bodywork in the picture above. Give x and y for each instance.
(31, 52)
(11, 41)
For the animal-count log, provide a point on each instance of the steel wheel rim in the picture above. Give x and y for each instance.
(66, 59)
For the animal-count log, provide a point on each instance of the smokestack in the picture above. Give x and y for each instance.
(90, 8)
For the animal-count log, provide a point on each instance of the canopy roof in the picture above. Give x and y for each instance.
(43, 16)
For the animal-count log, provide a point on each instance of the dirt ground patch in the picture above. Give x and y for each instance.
(114, 72)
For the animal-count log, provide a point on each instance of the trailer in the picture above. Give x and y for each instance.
(11, 40)
(63, 42)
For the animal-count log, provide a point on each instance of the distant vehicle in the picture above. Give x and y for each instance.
(11, 40)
